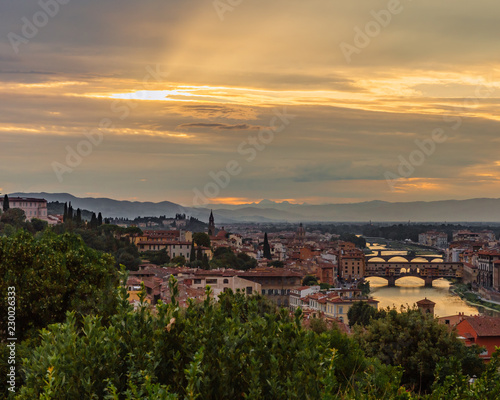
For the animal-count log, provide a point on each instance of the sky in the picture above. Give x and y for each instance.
(234, 101)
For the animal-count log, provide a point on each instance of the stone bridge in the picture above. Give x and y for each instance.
(407, 257)
(428, 271)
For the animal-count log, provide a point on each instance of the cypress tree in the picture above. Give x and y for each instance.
(204, 262)
(99, 219)
(6, 203)
(192, 255)
(70, 212)
(65, 214)
(199, 254)
(78, 216)
(93, 221)
(267, 248)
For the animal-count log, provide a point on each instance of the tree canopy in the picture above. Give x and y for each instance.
(225, 350)
(201, 239)
(53, 274)
(418, 343)
(224, 257)
(310, 280)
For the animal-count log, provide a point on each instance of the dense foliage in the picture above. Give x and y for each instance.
(79, 340)
(225, 350)
(361, 313)
(224, 257)
(201, 239)
(108, 239)
(53, 274)
(418, 343)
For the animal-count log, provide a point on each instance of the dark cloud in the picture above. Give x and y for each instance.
(219, 126)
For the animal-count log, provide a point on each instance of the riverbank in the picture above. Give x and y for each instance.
(473, 299)
(393, 245)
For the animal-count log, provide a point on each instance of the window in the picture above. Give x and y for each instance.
(197, 281)
(226, 281)
(249, 290)
(264, 291)
(341, 310)
(212, 281)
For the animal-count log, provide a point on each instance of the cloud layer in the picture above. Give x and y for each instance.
(176, 88)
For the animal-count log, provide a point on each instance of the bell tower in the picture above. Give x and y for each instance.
(211, 224)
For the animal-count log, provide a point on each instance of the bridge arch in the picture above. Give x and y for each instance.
(397, 259)
(375, 259)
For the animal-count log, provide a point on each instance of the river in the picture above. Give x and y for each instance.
(409, 290)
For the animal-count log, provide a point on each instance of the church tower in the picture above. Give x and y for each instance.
(211, 224)
(301, 233)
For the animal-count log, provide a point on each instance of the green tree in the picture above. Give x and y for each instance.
(192, 254)
(276, 264)
(224, 257)
(310, 280)
(99, 219)
(361, 313)
(14, 216)
(159, 257)
(179, 260)
(205, 262)
(223, 350)
(78, 218)
(365, 288)
(39, 225)
(266, 248)
(201, 239)
(51, 275)
(416, 342)
(93, 221)
(70, 212)
(6, 204)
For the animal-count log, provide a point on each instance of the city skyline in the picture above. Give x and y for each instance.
(311, 102)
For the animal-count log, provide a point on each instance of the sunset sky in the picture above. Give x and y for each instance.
(179, 89)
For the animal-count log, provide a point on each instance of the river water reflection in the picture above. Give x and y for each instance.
(409, 290)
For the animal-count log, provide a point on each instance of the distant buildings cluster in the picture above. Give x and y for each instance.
(33, 208)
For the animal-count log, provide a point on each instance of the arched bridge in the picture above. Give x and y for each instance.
(428, 271)
(407, 257)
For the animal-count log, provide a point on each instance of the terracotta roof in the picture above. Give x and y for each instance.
(30, 199)
(425, 302)
(484, 326)
(270, 272)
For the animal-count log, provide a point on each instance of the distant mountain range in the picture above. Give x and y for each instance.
(472, 210)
